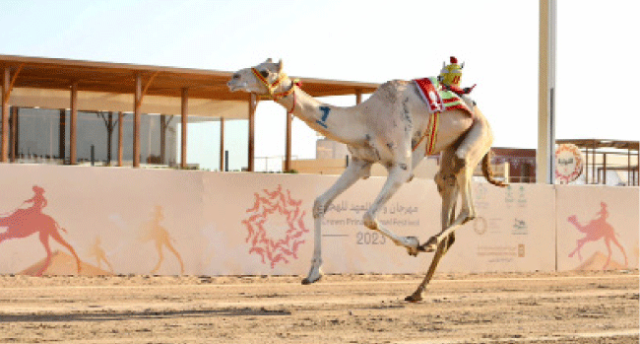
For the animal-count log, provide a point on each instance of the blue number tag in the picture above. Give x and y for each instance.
(325, 114)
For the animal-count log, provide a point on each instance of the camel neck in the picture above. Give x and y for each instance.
(336, 123)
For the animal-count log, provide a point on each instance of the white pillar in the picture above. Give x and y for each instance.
(545, 156)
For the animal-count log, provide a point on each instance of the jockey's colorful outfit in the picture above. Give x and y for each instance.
(450, 77)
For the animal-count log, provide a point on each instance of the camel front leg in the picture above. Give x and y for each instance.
(356, 170)
(398, 175)
(579, 244)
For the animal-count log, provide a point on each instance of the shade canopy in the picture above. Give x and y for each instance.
(602, 144)
(45, 82)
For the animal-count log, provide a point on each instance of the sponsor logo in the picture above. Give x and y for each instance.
(569, 163)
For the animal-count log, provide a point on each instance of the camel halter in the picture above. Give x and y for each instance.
(272, 86)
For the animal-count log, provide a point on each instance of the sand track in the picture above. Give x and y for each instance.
(587, 307)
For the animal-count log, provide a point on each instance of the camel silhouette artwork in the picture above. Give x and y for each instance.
(24, 222)
(153, 231)
(597, 229)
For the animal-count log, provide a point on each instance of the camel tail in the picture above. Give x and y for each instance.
(488, 172)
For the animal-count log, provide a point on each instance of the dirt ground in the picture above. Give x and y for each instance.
(585, 307)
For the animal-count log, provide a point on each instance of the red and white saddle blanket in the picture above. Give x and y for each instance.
(437, 101)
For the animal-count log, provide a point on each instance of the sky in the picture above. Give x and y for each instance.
(367, 41)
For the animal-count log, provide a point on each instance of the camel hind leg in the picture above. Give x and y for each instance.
(615, 241)
(443, 248)
(455, 175)
(449, 194)
(57, 237)
(160, 258)
(608, 243)
(175, 252)
(457, 169)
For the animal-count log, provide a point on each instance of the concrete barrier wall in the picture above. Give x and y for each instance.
(597, 227)
(171, 222)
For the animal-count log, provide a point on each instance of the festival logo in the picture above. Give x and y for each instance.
(595, 230)
(568, 163)
(275, 226)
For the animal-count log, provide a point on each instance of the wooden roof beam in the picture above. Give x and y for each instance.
(138, 97)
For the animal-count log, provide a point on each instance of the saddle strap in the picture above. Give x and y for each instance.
(430, 134)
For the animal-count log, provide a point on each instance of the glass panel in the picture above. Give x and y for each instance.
(236, 142)
(203, 143)
(38, 136)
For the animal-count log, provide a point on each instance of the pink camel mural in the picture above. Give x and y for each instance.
(595, 230)
(22, 223)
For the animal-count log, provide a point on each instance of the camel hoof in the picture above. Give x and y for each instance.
(431, 245)
(413, 246)
(314, 276)
(308, 281)
(413, 298)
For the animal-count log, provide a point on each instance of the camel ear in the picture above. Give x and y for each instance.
(280, 66)
(269, 60)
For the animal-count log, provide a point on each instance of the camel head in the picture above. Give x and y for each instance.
(264, 79)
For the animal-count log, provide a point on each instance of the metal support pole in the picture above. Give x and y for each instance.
(287, 158)
(222, 152)
(136, 121)
(73, 123)
(586, 165)
(596, 178)
(253, 104)
(184, 123)
(628, 166)
(604, 168)
(13, 146)
(62, 126)
(120, 137)
(6, 80)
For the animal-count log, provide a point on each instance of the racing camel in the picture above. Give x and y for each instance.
(388, 128)
(25, 222)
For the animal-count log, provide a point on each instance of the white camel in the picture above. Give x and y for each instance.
(388, 128)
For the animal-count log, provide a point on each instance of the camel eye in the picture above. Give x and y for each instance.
(264, 74)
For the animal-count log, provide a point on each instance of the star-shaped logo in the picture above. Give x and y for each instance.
(275, 226)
